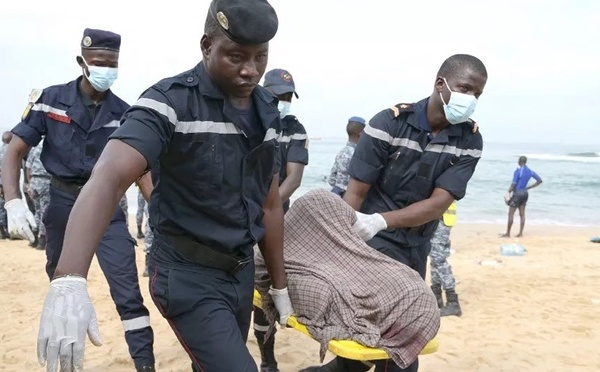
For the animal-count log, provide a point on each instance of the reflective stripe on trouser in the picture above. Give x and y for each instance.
(116, 256)
(209, 311)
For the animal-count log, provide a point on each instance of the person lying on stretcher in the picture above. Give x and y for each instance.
(342, 289)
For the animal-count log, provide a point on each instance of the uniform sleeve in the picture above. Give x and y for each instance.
(33, 122)
(455, 179)
(535, 176)
(298, 149)
(372, 151)
(148, 125)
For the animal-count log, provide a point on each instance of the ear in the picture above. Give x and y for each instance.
(80, 62)
(205, 45)
(439, 84)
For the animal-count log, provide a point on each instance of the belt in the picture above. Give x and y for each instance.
(68, 187)
(206, 256)
(46, 176)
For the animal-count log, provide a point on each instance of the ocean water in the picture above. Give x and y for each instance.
(569, 195)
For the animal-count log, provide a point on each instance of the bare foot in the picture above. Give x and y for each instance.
(520, 236)
(504, 236)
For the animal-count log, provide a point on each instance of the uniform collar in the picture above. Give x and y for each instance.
(71, 96)
(264, 101)
(418, 119)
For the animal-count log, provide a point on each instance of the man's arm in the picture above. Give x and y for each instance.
(293, 179)
(118, 167)
(370, 157)
(271, 246)
(538, 180)
(11, 167)
(297, 158)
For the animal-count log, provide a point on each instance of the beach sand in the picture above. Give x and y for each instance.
(539, 312)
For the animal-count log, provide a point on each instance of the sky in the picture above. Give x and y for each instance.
(347, 57)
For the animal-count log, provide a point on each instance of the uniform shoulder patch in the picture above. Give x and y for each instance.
(474, 126)
(35, 95)
(399, 108)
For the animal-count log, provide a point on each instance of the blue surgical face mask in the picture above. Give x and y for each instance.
(284, 108)
(460, 107)
(101, 78)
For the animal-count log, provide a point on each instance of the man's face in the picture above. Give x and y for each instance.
(100, 58)
(235, 68)
(465, 81)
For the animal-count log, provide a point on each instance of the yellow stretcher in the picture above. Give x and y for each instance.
(346, 348)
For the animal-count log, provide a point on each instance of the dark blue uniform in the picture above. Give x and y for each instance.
(216, 166)
(403, 163)
(74, 138)
(294, 147)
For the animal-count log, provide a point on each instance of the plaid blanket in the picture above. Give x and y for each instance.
(343, 289)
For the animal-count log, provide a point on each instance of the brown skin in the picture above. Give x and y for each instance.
(100, 58)
(293, 171)
(232, 67)
(419, 213)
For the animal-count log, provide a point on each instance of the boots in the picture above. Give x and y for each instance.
(452, 306)
(140, 234)
(41, 245)
(145, 369)
(145, 274)
(437, 291)
(267, 352)
(35, 242)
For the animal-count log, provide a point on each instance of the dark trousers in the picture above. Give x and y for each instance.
(209, 311)
(116, 256)
(416, 259)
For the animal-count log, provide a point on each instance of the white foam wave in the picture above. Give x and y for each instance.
(578, 159)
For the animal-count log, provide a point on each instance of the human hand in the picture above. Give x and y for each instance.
(368, 225)
(21, 221)
(283, 304)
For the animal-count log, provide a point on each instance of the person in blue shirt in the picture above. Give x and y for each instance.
(518, 188)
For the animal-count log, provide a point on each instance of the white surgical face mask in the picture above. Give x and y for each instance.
(284, 108)
(101, 78)
(460, 107)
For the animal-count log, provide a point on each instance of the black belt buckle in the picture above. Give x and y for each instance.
(240, 265)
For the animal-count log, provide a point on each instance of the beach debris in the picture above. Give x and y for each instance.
(491, 263)
(512, 249)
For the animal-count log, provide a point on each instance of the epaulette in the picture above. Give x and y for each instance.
(34, 96)
(474, 126)
(401, 107)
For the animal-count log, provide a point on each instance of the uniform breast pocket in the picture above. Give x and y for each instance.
(203, 150)
(62, 137)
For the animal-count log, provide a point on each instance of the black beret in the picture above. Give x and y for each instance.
(100, 39)
(245, 21)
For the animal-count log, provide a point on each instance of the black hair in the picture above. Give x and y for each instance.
(523, 160)
(458, 62)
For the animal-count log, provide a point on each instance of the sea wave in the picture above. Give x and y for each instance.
(584, 157)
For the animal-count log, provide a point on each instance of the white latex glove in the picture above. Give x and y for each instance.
(283, 304)
(368, 225)
(21, 221)
(67, 315)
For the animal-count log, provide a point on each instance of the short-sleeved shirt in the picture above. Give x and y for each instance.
(521, 177)
(73, 141)
(404, 163)
(211, 169)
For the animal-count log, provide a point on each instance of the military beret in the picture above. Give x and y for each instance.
(245, 21)
(357, 119)
(100, 39)
(280, 81)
